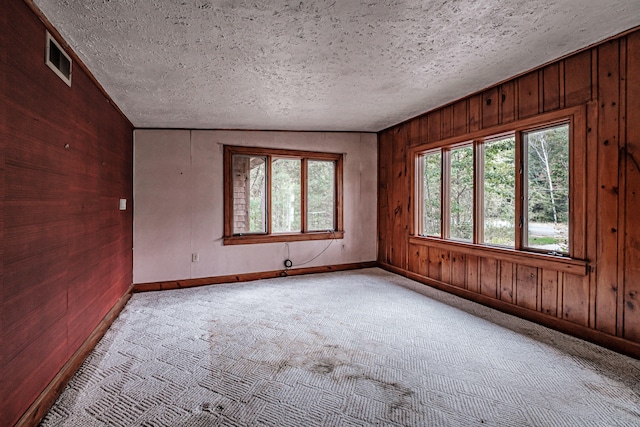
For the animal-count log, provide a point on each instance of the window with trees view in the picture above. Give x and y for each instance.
(281, 195)
(469, 191)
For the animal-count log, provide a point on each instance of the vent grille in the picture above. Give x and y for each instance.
(58, 60)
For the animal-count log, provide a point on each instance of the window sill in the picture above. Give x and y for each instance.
(283, 237)
(533, 259)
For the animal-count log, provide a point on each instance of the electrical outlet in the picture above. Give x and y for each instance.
(195, 257)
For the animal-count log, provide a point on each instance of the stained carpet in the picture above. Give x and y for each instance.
(354, 348)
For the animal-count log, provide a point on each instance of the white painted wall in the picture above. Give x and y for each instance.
(178, 204)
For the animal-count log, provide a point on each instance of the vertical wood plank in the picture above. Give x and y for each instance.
(607, 214)
(575, 307)
(490, 106)
(446, 266)
(460, 118)
(526, 286)
(592, 203)
(434, 123)
(424, 128)
(414, 259)
(435, 264)
(384, 182)
(475, 113)
(631, 326)
(577, 79)
(549, 296)
(446, 117)
(507, 280)
(508, 102)
(622, 167)
(528, 96)
(415, 137)
(458, 269)
(551, 87)
(473, 274)
(489, 277)
(401, 198)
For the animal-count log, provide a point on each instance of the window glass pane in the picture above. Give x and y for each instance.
(461, 188)
(249, 194)
(431, 200)
(499, 191)
(320, 195)
(547, 192)
(285, 195)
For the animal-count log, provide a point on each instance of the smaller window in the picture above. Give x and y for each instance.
(57, 59)
(274, 195)
(432, 193)
(321, 190)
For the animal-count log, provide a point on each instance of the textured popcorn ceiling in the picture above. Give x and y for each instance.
(359, 65)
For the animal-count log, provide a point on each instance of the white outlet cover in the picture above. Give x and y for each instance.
(123, 204)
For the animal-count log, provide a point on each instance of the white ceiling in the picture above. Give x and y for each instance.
(354, 65)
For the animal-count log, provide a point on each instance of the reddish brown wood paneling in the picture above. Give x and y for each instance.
(549, 297)
(446, 118)
(435, 264)
(631, 287)
(575, 307)
(458, 269)
(400, 199)
(385, 146)
(446, 266)
(434, 125)
(475, 113)
(507, 102)
(460, 118)
(577, 79)
(473, 273)
(66, 160)
(507, 280)
(415, 134)
(490, 107)
(607, 229)
(528, 95)
(526, 286)
(489, 277)
(551, 87)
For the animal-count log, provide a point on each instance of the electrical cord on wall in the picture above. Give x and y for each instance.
(288, 263)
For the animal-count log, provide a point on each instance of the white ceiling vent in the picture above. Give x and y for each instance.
(58, 60)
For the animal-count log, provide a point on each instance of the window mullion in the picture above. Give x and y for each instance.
(478, 193)
(269, 194)
(303, 195)
(446, 193)
(418, 220)
(521, 156)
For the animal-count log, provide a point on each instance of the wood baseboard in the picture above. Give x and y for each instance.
(245, 277)
(47, 398)
(611, 342)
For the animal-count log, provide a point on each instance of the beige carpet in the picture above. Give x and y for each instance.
(355, 348)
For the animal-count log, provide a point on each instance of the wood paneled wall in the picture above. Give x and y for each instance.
(601, 304)
(66, 247)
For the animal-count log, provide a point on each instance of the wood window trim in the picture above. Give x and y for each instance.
(576, 117)
(233, 239)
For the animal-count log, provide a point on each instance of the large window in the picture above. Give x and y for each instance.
(281, 195)
(507, 190)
